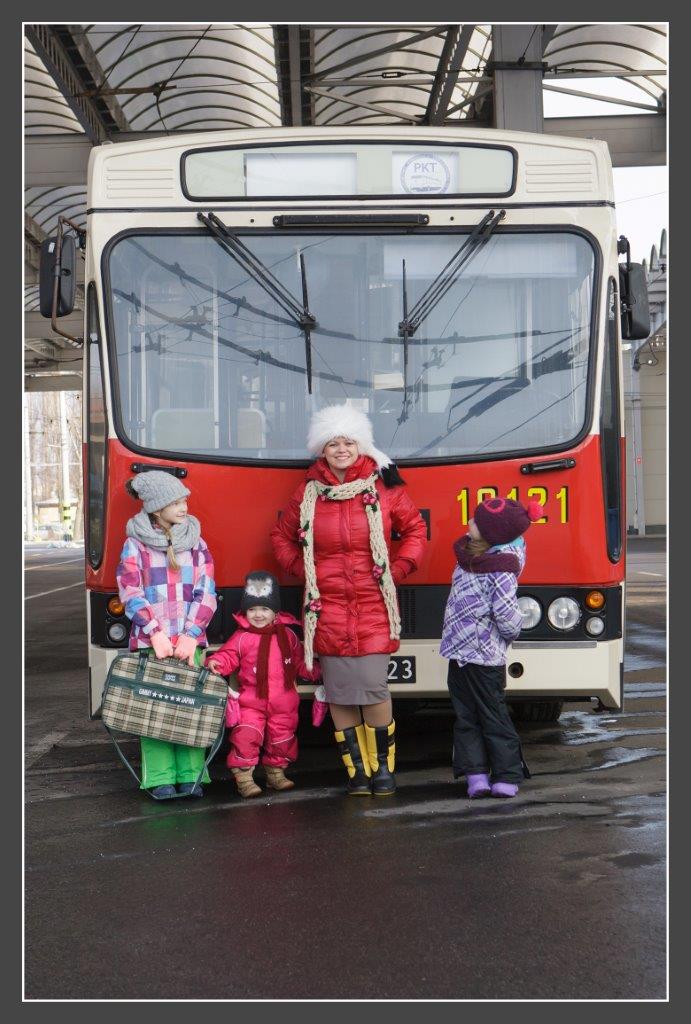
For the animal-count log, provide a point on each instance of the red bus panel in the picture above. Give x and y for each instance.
(238, 505)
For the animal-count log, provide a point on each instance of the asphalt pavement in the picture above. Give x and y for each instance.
(558, 894)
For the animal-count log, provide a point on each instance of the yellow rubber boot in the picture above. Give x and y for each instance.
(381, 750)
(352, 745)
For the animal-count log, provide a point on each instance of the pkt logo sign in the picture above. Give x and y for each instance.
(425, 172)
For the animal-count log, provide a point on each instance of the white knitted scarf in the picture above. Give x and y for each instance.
(380, 555)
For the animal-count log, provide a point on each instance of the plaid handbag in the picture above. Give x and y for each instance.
(165, 700)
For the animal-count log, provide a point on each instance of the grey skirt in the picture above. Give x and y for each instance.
(355, 680)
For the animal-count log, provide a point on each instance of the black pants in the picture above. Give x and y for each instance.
(484, 738)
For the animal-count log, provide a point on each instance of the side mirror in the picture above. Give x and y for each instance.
(635, 312)
(58, 260)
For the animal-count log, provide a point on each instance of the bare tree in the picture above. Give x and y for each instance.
(45, 448)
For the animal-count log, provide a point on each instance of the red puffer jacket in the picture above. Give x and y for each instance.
(353, 619)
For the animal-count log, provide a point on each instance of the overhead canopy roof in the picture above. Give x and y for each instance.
(107, 81)
(46, 111)
(180, 78)
(616, 51)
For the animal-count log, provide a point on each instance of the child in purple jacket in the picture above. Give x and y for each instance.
(482, 617)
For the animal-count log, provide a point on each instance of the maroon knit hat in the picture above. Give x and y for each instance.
(501, 520)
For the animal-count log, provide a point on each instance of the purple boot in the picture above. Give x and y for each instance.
(504, 789)
(478, 785)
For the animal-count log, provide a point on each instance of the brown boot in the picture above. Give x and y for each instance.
(244, 780)
(276, 778)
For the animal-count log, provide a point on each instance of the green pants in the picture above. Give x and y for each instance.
(165, 764)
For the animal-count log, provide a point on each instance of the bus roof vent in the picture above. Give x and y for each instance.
(555, 177)
(140, 182)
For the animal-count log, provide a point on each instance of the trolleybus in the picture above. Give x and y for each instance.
(463, 288)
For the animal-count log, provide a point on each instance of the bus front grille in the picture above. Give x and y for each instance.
(406, 603)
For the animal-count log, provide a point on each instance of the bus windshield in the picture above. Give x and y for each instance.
(209, 365)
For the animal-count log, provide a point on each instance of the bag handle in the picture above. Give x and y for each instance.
(141, 666)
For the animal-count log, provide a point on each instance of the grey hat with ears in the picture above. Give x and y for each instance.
(157, 489)
(261, 590)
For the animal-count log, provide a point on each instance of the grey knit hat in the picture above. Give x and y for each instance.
(157, 489)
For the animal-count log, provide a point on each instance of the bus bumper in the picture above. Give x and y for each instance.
(549, 670)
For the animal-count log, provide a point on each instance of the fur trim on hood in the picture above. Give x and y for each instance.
(344, 421)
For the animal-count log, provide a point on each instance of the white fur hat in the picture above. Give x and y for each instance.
(343, 421)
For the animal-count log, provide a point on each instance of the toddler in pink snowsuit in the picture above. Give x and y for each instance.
(268, 658)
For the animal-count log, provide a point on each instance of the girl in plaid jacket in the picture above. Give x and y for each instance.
(166, 583)
(482, 617)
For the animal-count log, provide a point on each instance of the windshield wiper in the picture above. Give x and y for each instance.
(448, 275)
(433, 295)
(261, 274)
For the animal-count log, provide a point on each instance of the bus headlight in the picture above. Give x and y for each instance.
(530, 610)
(116, 632)
(595, 626)
(564, 613)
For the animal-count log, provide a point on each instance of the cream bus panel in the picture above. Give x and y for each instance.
(551, 670)
(550, 169)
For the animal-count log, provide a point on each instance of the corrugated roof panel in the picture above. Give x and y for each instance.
(45, 205)
(613, 49)
(45, 109)
(181, 77)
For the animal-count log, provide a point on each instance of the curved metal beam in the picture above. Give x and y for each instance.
(210, 91)
(356, 92)
(621, 70)
(172, 114)
(185, 39)
(416, 37)
(385, 111)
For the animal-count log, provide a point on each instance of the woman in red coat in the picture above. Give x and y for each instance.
(335, 536)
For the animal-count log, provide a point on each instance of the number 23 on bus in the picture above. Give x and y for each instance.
(556, 505)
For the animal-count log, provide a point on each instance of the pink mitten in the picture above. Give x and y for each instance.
(319, 706)
(185, 649)
(232, 708)
(161, 645)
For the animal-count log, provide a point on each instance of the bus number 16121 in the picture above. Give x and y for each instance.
(556, 505)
